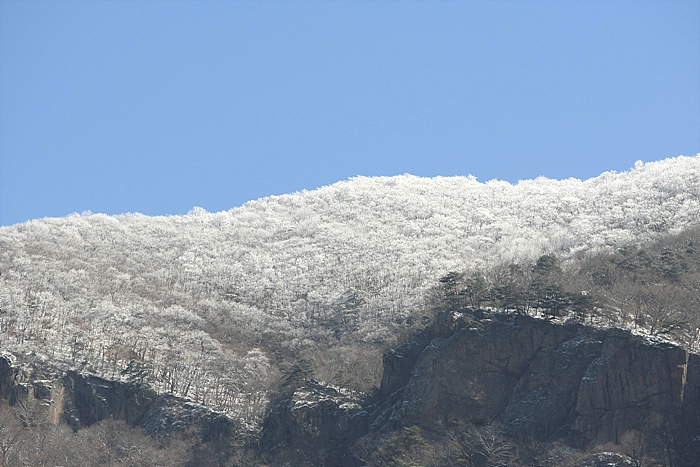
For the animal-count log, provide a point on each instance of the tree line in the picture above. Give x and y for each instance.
(652, 288)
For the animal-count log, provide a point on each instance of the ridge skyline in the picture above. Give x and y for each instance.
(639, 164)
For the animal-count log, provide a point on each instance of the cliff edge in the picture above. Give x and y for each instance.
(82, 399)
(539, 380)
(544, 380)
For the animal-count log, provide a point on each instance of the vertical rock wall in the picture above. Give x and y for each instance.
(82, 400)
(544, 380)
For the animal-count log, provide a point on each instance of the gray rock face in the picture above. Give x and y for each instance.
(89, 399)
(82, 400)
(541, 380)
(632, 385)
(544, 380)
(314, 422)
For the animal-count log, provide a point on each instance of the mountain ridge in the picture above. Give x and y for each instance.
(356, 252)
(218, 307)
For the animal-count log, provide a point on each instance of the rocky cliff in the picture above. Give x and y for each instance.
(314, 425)
(82, 399)
(545, 380)
(540, 380)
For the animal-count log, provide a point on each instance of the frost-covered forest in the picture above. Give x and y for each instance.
(218, 307)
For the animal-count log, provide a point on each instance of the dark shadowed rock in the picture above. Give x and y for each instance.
(82, 400)
(315, 423)
(89, 399)
(541, 380)
(545, 380)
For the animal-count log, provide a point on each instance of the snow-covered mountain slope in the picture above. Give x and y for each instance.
(201, 302)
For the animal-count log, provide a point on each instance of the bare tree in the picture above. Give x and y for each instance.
(635, 448)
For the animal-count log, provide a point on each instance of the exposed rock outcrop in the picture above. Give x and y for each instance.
(82, 400)
(314, 423)
(544, 380)
(541, 380)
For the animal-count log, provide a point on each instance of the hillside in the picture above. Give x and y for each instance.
(477, 388)
(217, 307)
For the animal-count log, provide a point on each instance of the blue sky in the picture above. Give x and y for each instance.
(157, 107)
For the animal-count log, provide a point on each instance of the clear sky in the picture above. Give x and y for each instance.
(157, 107)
